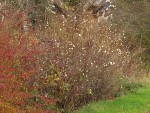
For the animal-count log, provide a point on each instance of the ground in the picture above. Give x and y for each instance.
(138, 102)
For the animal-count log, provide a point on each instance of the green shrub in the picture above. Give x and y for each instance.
(126, 86)
(72, 2)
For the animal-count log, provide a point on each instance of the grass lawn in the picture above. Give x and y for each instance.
(138, 102)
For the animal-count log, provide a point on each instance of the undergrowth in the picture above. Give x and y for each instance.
(57, 65)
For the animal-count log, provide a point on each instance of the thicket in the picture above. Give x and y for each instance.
(57, 64)
(134, 16)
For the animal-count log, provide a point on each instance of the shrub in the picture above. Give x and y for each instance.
(61, 64)
(135, 21)
(19, 55)
(126, 86)
(83, 60)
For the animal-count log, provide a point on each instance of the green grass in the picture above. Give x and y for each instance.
(138, 102)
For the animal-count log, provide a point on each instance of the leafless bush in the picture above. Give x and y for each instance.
(83, 60)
